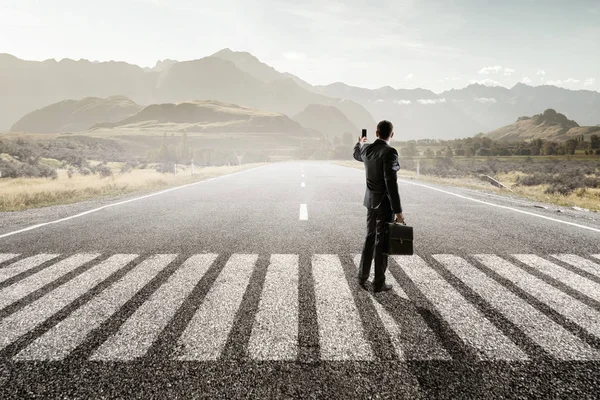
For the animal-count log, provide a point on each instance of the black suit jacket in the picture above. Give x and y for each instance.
(381, 167)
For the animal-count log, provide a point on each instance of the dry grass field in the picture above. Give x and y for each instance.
(24, 193)
(587, 198)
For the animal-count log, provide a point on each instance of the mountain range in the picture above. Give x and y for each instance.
(240, 78)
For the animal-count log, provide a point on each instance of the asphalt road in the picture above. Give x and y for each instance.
(243, 286)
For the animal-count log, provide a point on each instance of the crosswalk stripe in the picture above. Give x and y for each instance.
(341, 336)
(274, 334)
(64, 337)
(462, 316)
(571, 308)
(23, 265)
(396, 289)
(205, 336)
(16, 292)
(404, 347)
(579, 262)
(31, 316)
(7, 256)
(139, 332)
(552, 337)
(275, 330)
(563, 275)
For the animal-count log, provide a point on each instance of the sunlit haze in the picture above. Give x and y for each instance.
(435, 44)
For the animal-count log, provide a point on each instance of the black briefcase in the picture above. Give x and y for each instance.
(399, 240)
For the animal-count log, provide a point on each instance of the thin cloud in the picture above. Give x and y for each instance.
(403, 102)
(572, 80)
(485, 100)
(492, 69)
(557, 82)
(431, 101)
(409, 77)
(589, 82)
(526, 80)
(508, 71)
(485, 82)
(540, 72)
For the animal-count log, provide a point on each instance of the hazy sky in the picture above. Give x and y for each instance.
(435, 44)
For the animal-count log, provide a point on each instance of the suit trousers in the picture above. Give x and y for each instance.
(377, 218)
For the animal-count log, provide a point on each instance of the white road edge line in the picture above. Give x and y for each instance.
(303, 212)
(29, 228)
(496, 205)
(505, 207)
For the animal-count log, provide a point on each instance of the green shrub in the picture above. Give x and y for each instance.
(559, 188)
(165, 168)
(17, 169)
(104, 171)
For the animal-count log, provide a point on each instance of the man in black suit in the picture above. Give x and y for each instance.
(382, 200)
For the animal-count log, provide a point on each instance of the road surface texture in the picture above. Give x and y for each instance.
(244, 286)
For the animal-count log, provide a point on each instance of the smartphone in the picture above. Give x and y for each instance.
(364, 133)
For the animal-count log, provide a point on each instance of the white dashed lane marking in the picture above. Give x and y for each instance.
(303, 212)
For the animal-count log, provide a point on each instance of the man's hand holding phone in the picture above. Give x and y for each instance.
(362, 139)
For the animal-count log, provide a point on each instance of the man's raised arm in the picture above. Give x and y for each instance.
(390, 169)
(357, 148)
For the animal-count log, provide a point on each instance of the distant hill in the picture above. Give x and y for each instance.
(550, 125)
(208, 116)
(76, 115)
(326, 119)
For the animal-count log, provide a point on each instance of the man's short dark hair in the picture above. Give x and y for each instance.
(385, 129)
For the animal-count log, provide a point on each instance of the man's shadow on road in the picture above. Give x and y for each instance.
(443, 364)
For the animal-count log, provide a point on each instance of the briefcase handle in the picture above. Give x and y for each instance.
(398, 223)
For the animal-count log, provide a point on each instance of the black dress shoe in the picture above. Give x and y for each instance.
(362, 283)
(383, 288)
